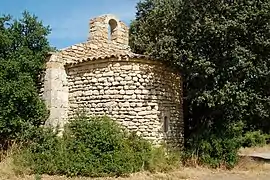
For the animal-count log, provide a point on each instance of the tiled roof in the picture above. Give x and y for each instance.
(112, 56)
(84, 52)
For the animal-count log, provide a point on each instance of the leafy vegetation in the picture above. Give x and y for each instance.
(23, 49)
(215, 150)
(222, 49)
(254, 138)
(95, 146)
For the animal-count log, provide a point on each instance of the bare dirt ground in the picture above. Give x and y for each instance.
(187, 174)
(247, 169)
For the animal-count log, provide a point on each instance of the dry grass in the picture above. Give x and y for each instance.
(176, 175)
(8, 170)
(246, 151)
(180, 174)
(249, 164)
(247, 169)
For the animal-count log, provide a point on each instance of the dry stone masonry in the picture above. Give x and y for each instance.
(103, 77)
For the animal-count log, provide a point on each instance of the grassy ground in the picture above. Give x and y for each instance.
(246, 151)
(186, 173)
(247, 169)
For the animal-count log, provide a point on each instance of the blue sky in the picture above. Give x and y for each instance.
(69, 19)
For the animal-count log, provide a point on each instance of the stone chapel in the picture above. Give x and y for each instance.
(103, 77)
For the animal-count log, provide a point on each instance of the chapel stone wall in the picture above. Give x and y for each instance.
(55, 92)
(142, 95)
(103, 77)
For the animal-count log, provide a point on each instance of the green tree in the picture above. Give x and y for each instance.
(222, 48)
(23, 49)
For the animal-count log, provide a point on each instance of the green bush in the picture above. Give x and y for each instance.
(216, 48)
(23, 50)
(163, 160)
(254, 138)
(215, 149)
(95, 146)
(42, 148)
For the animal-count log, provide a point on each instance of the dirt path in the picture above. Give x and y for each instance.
(236, 176)
(186, 173)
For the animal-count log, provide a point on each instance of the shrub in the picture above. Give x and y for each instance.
(110, 150)
(215, 149)
(42, 149)
(90, 146)
(163, 160)
(23, 50)
(254, 138)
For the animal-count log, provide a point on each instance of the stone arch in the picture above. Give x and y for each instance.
(99, 26)
(112, 30)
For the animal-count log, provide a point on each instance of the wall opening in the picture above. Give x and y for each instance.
(166, 124)
(112, 30)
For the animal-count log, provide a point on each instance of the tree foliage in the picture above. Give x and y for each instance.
(23, 49)
(222, 48)
(90, 146)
